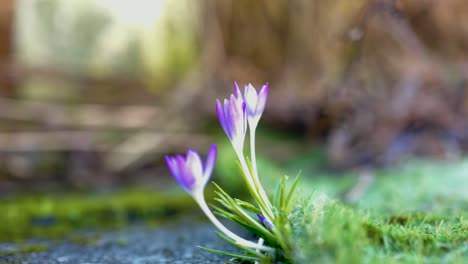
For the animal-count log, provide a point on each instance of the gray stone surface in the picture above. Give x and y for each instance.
(168, 243)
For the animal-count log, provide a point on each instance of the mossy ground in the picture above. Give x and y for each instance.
(56, 215)
(412, 213)
(327, 231)
(415, 212)
(24, 249)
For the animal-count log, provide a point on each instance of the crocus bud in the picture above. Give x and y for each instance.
(255, 103)
(233, 118)
(265, 221)
(190, 172)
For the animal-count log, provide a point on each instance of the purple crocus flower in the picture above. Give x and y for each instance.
(255, 103)
(190, 172)
(193, 176)
(233, 118)
(266, 222)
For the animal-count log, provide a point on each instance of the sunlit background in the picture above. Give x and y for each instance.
(95, 92)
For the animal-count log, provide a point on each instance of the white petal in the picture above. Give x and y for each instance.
(251, 99)
(194, 164)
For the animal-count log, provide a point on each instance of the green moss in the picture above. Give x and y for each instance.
(24, 250)
(327, 231)
(122, 242)
(56, 215)
(412, 213)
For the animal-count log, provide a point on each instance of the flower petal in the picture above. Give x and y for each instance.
(237, 91)
(185, 177)
(235, 118)
(172, 165)
(194, 164)
(265, 221)
(251, 98)
(209, 164)
(189, 170)
(244, 117)
(262, 98)
(221, 117)
(229, 125)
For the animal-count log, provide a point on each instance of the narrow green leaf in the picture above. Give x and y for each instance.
(276, 194)
(281, 193)
(247, 249)
(233, 210)
(291, 190)
(248, 206)
(223, 213)
(231, 254)
(220, 189)
(224, 203)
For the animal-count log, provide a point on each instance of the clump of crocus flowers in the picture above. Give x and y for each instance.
(241, 111)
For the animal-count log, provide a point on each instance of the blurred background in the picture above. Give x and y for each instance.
(94, 93)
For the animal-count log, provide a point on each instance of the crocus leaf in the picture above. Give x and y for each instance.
(231, 254)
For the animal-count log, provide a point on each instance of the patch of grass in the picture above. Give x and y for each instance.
(327, 231)
(419, 186)
(412, 213)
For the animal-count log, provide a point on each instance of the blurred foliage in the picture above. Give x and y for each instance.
(66, 44)
(377, 79)
(172, 48)
(90, 38)
(373, 81)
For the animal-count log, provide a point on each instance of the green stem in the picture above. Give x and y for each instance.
(254, 189)
(237, 239)
(255, 173)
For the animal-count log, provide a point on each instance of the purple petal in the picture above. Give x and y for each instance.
(237, 91)
(244, 117)
(221, 116)
(175, 169)
(261, 217)
(226, 109)
(172, 165)
(185, 179)
(234, 117)
(229, 125)
(265, 221)
(262, 98)
(210, 163)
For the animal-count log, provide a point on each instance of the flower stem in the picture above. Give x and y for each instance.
(260, 242)
(254, 189)
(237, 239)
(255, 173)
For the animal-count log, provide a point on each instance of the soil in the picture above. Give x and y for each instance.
(169, 243)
